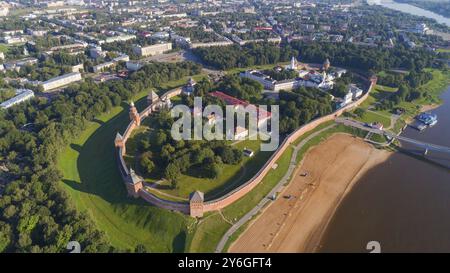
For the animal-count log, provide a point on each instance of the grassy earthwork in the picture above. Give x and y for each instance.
(92, 180)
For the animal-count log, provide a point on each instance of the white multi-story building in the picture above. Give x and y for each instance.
(61, 81)
(152, 49)
(101, 67)
(265, 80)
(211, 44)
(21, 96)
(322, 80)
(120, 38)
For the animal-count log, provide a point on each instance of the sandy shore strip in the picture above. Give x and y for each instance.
(296, 220)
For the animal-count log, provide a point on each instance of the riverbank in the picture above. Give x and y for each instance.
(295, 221)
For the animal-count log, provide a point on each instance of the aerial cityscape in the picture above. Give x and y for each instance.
(224, 126)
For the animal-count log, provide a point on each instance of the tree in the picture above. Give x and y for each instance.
(5, 236)
(146, 163)
(360, 112)
(140, 249)
(230, 155)
(172, 173)
(160, 138)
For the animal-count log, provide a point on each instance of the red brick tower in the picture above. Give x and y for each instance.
(152, 97)
(373, 79)
(134, 184)
(119, 143)
(134, 115)
(326, 64)
(196, 204)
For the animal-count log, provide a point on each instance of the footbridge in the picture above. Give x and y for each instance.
(424, 145)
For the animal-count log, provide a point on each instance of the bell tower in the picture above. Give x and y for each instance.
(134, 115)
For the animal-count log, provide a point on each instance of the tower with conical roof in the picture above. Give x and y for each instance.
(152, 97)
(134, 115)
(134, 184)
(119, 143)
(326, 64)
(196, 204)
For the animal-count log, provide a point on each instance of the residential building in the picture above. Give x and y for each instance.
(152, 49)
(61, 81)
(21, 96)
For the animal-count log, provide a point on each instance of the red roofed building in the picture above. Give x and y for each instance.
(263, 115)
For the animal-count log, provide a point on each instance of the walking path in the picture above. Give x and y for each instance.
(152, 187)
(267, 198)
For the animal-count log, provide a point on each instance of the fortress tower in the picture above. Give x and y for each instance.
(326, 64)
(152, 97)
(134, 184)
(134, 115)
(373, 80)
(118, 142)
(196, 204)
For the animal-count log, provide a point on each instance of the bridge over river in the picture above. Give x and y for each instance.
(424, 145)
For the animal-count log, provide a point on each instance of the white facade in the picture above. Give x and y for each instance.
(265, 80)
(355, 91)
(77, 68)
(61, 81)
(21, 96)
(152, 49)
(120, 38)
(103, 66)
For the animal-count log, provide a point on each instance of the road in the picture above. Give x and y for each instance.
(247, 217)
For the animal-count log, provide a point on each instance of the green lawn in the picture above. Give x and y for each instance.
(92, 180)
(3, 48)
(443, 50)
(378, 93)
(231, 177)
(370, 117)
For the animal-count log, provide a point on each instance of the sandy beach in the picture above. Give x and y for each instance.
(296, 220)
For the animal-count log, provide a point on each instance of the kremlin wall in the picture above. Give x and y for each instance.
(197, 206)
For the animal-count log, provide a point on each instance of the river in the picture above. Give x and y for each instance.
(411, 10)
(404, 203)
